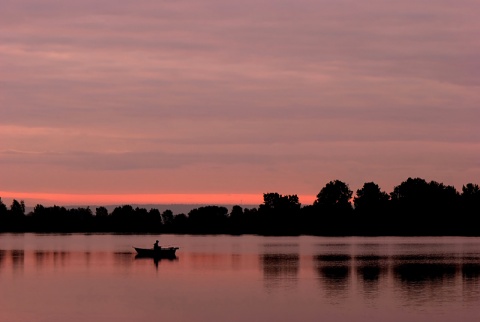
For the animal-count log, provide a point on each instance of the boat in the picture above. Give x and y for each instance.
(161, 252)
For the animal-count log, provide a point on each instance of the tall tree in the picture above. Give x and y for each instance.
(279, 214)
(370, 198)
(167, 217)
(470, 209)
(101, 212)
(273, 200)
(17, 208)
(471, 195)
(371, 210)
(424, 207)
(335, 196)
(3, 208)
(333, 209)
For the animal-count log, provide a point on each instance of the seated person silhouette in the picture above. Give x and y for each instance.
(156, 247)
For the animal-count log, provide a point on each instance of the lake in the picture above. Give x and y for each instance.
(78, 277)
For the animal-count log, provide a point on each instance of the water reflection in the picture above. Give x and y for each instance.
(471, 272)
(87, 257)
(209, 261)
(155, 260)
(60, 258)
(417, 279)
(40, 260)
(43, 258)
(369, 269)
(238, 278)
(280, 270)
(279, 248)
(420, 274)
(2, 257)
(18, 258)
(123, 258)
(340, 272)
(471, 281)
(426, 279)
(334, 274)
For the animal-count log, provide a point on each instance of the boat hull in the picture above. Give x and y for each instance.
(164, 252)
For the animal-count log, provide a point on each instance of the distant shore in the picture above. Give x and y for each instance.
(414, 208)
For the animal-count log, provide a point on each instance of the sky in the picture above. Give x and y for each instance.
(214, 101)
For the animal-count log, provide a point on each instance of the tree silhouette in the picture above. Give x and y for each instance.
(335, 196)
(180, 224)
(208, 219)
(6, 218)
(470, 210)
(167, 218)
(79, 219)
(274, 201)
(54, 219)
(17, 208)
(424, 208)
(371, 209)
(333, 204)
(416, 207)
(237, 220)
(122, 219)
(154, 219)
(471, 197)
(251, 221)
(370, 198)
(279, 214)
(101, 212)
(3, 208)
(101, 219)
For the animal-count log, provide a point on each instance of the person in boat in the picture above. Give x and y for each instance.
(156, 247)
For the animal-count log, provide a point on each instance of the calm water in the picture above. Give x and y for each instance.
(247, 278)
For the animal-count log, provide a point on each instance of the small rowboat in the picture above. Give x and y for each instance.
(163, 252)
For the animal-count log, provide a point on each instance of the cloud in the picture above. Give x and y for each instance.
(256, 87)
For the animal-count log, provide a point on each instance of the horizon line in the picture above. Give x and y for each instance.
(69, 199)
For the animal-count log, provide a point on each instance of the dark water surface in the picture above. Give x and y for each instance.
(239, 278)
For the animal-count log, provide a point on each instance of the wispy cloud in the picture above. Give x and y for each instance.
(203, 91)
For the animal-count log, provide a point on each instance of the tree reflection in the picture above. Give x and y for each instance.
(471, 281)
(471, 272)
(334, 273)
(2, 257)
(87, 256)
(18, 259)
(123, 259)
(417, 278)
(421, 273)
(60, 258)
(280, 270)
(40, 257)
(423, 279)
(369, 269)
(43, 258)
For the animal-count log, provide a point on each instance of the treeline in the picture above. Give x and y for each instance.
(415, 207)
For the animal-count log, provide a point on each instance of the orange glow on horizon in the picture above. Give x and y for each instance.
(46, 199)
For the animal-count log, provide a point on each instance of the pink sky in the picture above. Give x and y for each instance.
(174, 101)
